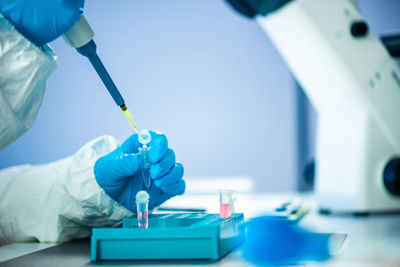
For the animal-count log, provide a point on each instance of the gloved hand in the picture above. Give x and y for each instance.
(42, 21)
(119, 173)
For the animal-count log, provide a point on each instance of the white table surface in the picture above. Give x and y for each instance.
(372, 240)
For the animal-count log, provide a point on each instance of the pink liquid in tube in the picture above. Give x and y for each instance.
(142, 209)
(225, 210)
(143, 219)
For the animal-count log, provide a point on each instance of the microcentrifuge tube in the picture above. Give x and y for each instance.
(142, 206)
(144, 156)
(225, 203)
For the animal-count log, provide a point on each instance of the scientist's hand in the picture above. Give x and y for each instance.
(119, 173)
(42, 21)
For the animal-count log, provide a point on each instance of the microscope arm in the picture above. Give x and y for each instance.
(354, 85)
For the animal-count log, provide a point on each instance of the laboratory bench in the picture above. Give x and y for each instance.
(372, 240)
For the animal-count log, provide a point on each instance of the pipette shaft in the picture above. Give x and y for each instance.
(80, 36)
(89, 51)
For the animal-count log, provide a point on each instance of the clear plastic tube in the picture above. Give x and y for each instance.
(142, 205)
(225, 203)
(144, 156)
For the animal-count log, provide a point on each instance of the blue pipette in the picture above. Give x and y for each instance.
(89, 51)
(80, 36)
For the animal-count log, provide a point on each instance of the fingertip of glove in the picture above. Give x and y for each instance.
(182, 187)
(164, 165)
(180, 168)
(178, 189)
(158, 147)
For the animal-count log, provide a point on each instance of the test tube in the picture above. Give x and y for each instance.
(225, 203)
(144, 156)
(142, 206)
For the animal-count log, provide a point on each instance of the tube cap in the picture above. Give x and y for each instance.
(142, 196)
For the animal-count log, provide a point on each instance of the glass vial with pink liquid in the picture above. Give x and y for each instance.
(142, 206)
(225, 203)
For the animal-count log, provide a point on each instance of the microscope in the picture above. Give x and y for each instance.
(353, 83)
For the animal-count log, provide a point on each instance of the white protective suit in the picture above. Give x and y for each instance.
(51, 202)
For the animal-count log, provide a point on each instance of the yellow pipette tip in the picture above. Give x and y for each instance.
(129, 117)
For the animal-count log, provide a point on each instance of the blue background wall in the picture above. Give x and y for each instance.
(208, 78)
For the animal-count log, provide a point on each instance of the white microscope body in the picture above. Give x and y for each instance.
(354, 86)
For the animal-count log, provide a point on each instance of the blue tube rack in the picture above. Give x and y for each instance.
(177, 236)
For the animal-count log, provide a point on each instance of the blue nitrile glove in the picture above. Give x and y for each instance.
(278, 242)
(42, 21)
(119, 174)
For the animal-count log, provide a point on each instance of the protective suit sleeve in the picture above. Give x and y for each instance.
(24, 69)
(58, 201)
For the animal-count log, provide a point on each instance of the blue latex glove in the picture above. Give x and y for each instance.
(119, 174)
(277, 242)
(42, 21)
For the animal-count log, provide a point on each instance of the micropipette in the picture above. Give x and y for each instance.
(80, 36)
